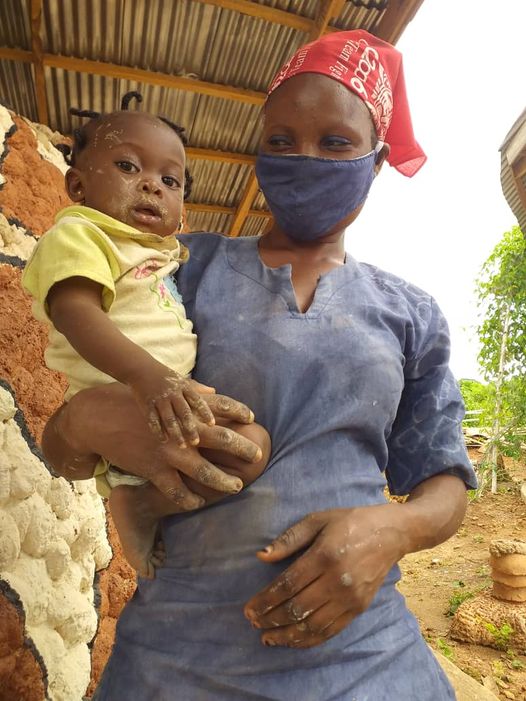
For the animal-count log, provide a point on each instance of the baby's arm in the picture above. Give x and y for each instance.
(75, 308)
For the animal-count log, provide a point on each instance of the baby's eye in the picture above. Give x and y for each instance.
(127, 166)
(170, 181)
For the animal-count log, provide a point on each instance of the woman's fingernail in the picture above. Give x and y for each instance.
(182, 445)
(269, 642)
(195, 441)
(237, 486)
(267, 550)
(251, 416)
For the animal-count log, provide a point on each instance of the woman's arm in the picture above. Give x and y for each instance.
(350, 551)
(107, 421)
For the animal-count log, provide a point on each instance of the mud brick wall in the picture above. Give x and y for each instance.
(58, 598)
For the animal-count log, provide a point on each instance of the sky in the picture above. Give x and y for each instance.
(464, 67)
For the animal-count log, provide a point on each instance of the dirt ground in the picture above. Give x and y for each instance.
(434, 580)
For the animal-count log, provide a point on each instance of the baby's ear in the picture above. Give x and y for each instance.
(74, 185)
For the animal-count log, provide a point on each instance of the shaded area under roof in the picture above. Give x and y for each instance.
(204, 64)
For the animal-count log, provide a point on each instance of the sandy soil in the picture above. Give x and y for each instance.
(431, 580)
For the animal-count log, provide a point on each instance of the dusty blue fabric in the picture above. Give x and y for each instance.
(356, 385)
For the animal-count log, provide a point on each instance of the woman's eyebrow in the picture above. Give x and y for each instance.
(279, 127)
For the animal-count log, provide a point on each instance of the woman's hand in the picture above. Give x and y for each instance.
(107, 421)
(349, 552)
(171, 404)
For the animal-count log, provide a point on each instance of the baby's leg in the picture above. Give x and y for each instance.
(136, 510)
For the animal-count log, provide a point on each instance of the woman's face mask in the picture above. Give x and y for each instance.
(308, 196)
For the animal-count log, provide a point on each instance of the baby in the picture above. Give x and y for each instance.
(100, 278)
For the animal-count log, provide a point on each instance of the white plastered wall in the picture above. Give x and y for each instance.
(52, 534)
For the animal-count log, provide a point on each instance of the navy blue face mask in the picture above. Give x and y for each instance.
(308, 196)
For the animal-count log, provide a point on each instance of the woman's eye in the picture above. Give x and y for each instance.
(127, 167)
(169, 181)
(336, 142)
(279, 141)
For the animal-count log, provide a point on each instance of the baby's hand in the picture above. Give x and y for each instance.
(171, 405)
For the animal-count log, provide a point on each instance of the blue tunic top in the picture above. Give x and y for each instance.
(355, 391)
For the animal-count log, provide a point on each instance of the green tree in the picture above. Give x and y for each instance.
(501, 290)
(475, 394)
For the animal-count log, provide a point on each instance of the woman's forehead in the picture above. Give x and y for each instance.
(311, 94)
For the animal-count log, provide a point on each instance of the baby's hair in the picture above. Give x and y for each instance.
(81, 136)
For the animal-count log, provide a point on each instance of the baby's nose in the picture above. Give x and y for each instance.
(150, 186)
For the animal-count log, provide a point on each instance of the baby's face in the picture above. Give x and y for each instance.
(133, 170)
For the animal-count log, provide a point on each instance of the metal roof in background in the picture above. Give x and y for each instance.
(205, 64)
(513, 169)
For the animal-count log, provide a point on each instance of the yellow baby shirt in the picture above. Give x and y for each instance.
(131, 267)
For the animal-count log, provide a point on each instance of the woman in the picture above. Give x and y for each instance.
(346, 366)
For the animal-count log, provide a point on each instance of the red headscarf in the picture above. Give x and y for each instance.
(373, 70)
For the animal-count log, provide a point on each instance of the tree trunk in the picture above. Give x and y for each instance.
(498, 400)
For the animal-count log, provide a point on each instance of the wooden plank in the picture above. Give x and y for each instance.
(208, 154)
(220, 209)
(38, 60)
(326, 11)
(210, 208)
(16, 55)
(270, 14)
(244, 206)
(396, 18)
(114, 70)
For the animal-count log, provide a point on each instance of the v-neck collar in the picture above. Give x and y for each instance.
(244, 257)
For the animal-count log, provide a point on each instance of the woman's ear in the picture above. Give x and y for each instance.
(74, 185)
(381, 157)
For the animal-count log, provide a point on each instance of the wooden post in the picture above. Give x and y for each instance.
(38, 60)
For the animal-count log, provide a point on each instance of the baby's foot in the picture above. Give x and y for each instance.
(137, 525)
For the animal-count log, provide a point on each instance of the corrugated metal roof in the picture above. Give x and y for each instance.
(513, 151)
(206, 221)
(16, 88)
(15, 27)
(175, 37)
(509, 188)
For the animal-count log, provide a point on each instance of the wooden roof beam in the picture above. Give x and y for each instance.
(114, 70)
(140, 75)
(269, 14)
(395, 19)
(19, 55)
(326, 11)
(208, 154)
(38, 61)
(244, 206)
(220, 209)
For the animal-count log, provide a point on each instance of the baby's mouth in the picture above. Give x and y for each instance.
(146, 213)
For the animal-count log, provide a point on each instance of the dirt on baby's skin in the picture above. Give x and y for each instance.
(435, 581)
